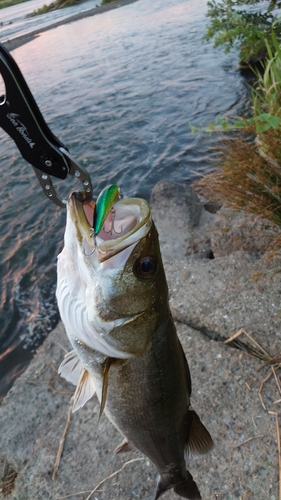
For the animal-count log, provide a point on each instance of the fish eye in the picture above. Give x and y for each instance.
(146, 267)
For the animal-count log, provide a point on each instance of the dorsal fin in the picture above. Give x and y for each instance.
(106, 366)
(199, 440)
(71, 367)
(84, 391)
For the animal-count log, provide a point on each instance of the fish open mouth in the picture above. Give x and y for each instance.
(127, 222)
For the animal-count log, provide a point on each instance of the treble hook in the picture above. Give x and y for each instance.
(91, 253)
(112, 229)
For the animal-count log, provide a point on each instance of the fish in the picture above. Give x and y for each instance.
(112, 295)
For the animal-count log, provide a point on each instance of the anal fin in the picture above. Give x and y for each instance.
(199, 439)
(124, 447)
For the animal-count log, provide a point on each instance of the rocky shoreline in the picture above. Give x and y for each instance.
(21, 40)
(222, 278)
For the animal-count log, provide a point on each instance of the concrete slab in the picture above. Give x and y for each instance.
(225, 394)
(211, 299)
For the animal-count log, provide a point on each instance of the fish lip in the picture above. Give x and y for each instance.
(82, 226)
(108, 248)
(77, 195)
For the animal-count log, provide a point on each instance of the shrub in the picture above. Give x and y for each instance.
(250, 175)
(243, 23)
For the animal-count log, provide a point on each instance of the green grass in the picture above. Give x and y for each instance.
(57, 4)
(244, 24)
(8, 3)
(249, 177)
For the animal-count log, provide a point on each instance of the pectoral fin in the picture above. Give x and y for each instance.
(199, 440)
(71, 367)
(72, 370)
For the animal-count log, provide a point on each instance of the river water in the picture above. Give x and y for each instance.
(120, 89)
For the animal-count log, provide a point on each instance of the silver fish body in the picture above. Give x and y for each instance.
(136, 365)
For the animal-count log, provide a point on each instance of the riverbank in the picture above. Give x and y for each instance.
(222, 278)
(21, 40)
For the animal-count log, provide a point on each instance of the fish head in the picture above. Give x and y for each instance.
(112, 291)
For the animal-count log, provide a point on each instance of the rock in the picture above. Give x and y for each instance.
(234, 231)
(176, 210)
(211, 299)
(220, 296)
(225, 394)
(200, 237)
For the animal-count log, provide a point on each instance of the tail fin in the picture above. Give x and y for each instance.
(187, 488)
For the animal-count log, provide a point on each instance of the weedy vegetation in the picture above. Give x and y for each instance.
(7, 482)
(249, 177)
(8, 3)
(60, 4)
(104, 2)
(57, 4)
(244, 23)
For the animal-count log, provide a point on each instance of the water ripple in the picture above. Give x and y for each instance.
(121, 90)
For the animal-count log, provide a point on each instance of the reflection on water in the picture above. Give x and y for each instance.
(120, 89)
(14, 22)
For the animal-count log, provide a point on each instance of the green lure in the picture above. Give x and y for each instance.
(105, 200)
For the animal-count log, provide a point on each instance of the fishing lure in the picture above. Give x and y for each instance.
(104, 203)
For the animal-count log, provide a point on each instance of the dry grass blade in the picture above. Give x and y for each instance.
(261, 387)
(276, 379)
(279, 447)
(73, 494)
(112, 475)
(7, 483)
(58, 391)
(250, 176)
(248, 440)
(60, 450)
(264, 353)
(102, 481)
(250, 166)
(279, 453)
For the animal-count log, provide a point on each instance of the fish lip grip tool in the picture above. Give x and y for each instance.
(21, 118)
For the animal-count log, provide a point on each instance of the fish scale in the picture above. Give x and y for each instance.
(136, 364)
